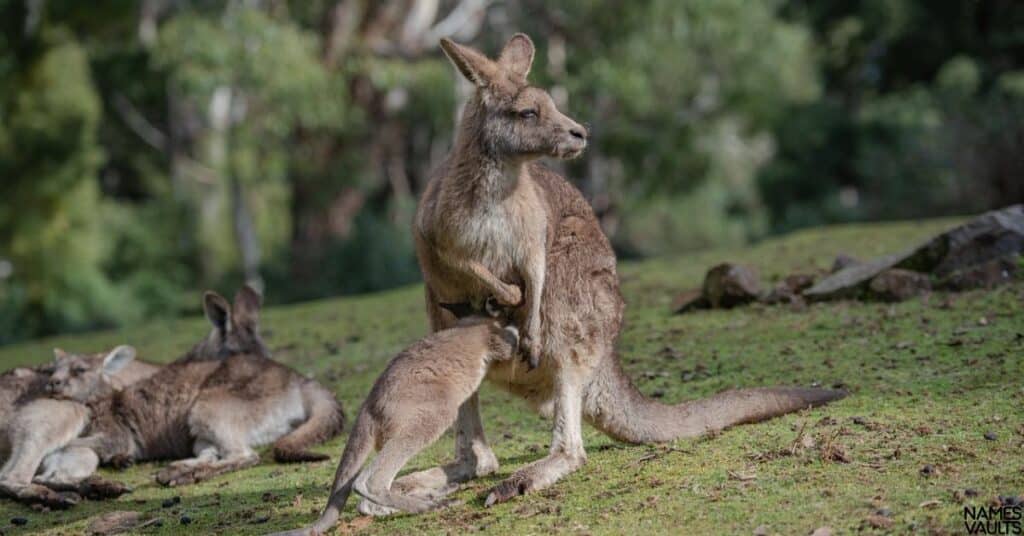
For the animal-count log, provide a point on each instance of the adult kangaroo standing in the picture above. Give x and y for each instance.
(481, 208)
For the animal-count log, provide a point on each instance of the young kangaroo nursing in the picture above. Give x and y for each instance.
(490, 207)
(411, 404)
(34, 427)
(212, 409)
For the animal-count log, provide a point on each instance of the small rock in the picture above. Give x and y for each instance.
(798, 283)
(761, 530)
(885, 512)
(896, 284)
(19, 521)
(168, 503)
(822, 531)
(970, 492)
(928, 470)
(185, 520)
(879, 522)
(689, 300)
(117, 522)
(991, 436)
(1010, 500)
(728, 285)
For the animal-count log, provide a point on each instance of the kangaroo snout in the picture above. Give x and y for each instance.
(54, 385)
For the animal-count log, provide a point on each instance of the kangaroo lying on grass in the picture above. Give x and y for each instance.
(481, 212)
(411, 404)
(33, 427)
(39, 428)
(216, 410)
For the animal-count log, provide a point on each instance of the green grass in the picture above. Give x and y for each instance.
(928, 378)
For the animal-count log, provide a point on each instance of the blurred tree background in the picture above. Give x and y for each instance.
(152, 148)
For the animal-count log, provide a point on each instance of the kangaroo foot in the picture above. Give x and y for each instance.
(98, 488)
(32, 494)
(370, 508)
(93, 487)
(512, 486)
(188, 472)
(537, 475)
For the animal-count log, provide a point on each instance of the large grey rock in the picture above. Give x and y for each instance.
(988, 237)
(995, 235)
(851, 281)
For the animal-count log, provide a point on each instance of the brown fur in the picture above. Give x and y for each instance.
(411, 404)
(215, 408)
(35, 427)
(489, 189)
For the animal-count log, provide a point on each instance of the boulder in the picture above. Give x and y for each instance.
(897, 284)
(995, 235)
(990, 274)
(728, 285)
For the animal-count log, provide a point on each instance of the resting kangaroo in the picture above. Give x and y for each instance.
(473, 214)
(215, 410)
(411, 404)
(34, 427)
(43, 426)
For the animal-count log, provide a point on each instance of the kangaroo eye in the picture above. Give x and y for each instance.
(528, 114)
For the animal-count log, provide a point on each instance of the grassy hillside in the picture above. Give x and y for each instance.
(929, 378)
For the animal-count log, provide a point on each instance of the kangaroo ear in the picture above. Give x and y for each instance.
(517, 56)
(59, 354)
(247, 306)
(117, 359)
(217, 310)
(476, 67)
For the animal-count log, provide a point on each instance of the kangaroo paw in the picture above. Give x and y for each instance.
(370, 508)
(509, 488)
(32, 494)
(98, 488)
(529, 350)
(180, 475)
(183, 474)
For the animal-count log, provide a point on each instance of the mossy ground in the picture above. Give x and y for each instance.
(928, 378)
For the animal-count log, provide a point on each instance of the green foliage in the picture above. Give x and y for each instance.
(146, 154)
(51, 215)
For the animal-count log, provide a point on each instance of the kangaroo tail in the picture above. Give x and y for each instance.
(613, 404)
(360, 444)
(326, 420)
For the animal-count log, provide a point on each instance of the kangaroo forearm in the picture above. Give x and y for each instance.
(485, 277)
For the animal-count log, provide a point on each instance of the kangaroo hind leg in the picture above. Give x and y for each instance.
(374, 482)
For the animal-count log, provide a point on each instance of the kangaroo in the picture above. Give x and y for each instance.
(215, 410)
(411, 404)
(35, 426)
(472, 213)
(41, 427)
(483, 221)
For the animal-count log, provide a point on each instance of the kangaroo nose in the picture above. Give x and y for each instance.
(578, 132)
